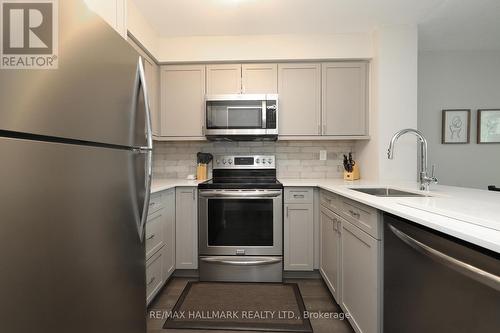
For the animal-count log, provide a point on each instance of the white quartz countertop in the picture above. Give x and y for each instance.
(468, 214)
(159, 185)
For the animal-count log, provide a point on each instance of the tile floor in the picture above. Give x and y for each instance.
(316, 298)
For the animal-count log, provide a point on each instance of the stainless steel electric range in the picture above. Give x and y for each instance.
(241, 221)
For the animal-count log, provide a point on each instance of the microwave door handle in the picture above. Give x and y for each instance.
(471, 271)
(264, 114)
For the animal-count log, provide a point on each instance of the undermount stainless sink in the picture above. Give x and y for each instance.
(387, 192)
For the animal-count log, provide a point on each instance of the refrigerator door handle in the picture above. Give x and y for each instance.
(147, 194)
(148, 149)
(143, 84)
(471, 271)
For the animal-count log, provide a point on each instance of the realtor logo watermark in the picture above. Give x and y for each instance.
(29, 34)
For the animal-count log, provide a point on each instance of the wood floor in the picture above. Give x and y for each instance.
(316, 298)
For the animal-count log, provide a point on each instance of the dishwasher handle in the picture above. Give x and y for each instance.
(468, 270)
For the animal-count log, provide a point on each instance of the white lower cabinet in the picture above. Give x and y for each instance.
(299, 237)
(186, 228)
(330, 251)
(360, 277)
(298, 229)
(154, 279)
(160, 241)
(350, 264)
(169, 234)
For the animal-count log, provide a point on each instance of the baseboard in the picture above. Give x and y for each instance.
(186, 273)
(302, 274)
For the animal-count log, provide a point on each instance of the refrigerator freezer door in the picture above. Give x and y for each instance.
(93, 94)
(71, 259)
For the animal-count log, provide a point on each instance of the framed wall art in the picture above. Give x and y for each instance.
(456, 126)
(488, 126)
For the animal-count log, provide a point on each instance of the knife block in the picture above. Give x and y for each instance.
(354, 175)
(202, 172)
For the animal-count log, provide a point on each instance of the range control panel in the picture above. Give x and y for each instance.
(245, 162)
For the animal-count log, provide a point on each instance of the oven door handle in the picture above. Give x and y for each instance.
(240, 194)
(252, 262)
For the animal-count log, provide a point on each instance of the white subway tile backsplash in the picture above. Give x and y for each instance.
(294, 159)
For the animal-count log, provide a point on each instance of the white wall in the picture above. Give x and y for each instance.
(393, 105)
(264, 47)
(465, 80)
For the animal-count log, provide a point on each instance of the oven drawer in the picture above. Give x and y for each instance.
(241, 269)
(298, 195)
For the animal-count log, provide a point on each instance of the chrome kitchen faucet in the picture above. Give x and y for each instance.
(425, 180)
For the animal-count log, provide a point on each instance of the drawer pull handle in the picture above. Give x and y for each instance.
(151, 281)
(151, 237)
(354, 214)
(298, 196)
(151, 204)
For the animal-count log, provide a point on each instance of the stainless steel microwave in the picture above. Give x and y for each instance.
(241, 117)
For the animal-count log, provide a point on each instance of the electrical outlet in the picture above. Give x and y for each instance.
(322, 155)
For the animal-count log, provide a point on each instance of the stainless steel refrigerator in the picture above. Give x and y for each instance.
(75, 172)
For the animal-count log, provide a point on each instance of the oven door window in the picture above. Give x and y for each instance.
(240, 222)
(234, 115)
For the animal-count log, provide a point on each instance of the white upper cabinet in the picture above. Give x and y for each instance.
(182, 101)
(259, 78)
(223, 79)
(114, 12)
(345, 98)
(299, 89)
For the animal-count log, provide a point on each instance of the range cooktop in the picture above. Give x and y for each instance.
(243, 172)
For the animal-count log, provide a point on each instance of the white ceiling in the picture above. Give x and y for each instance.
(443, 23)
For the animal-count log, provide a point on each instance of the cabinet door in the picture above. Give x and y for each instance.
(345, 98)
(183, 99)
(154, 279)
(299, 89)
(259, 78)
(186, 228)
(360, 278)
(299, 237)
(169, 237)
(152, 80)
(330, 251)
(223, 79)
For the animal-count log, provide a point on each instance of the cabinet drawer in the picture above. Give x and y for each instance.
(155, 203)
(153, 275)
(362, 216)
(330, 201)
(298, 195)
(154, 233)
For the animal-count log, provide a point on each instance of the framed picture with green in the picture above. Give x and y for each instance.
(488, 126)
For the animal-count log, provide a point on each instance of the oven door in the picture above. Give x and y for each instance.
(241, 222)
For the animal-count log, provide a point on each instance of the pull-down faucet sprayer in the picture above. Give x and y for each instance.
(425, 179)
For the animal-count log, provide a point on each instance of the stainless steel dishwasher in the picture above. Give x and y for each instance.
(436, 283)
